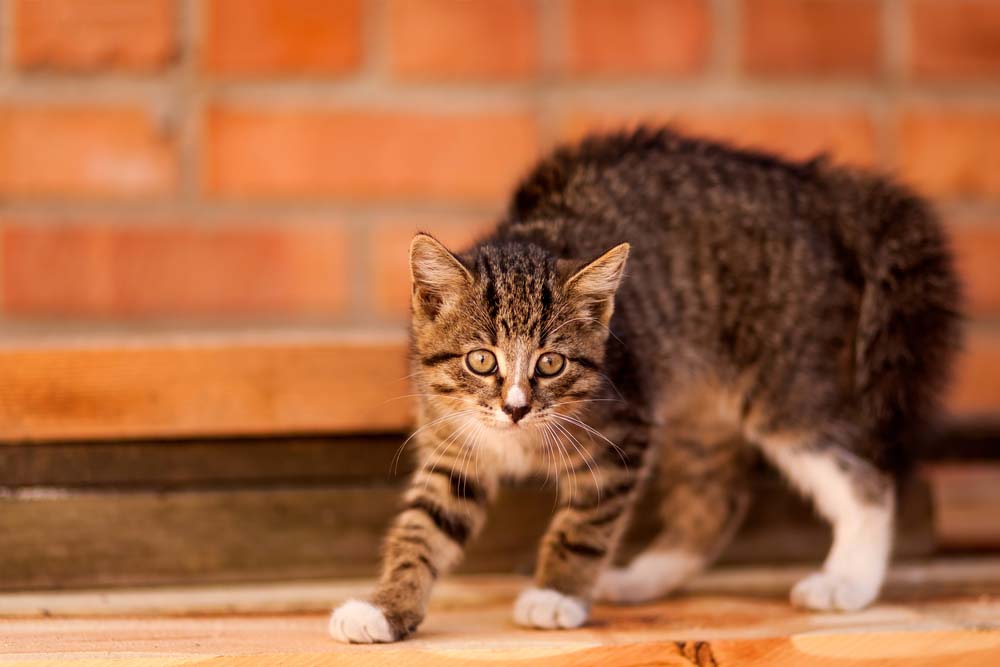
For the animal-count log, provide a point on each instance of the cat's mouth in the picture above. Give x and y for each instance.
(501, 421)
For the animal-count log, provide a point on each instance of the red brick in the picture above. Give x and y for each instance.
(848, 135)
(809, 37)
(96, 269)
(977, 254)
(951, 151)
(456, 39)
(82, 36)
(248, 37)
(322, 153)
(641, 37)
(975, 389)
(390, 268)
(954, 39)
(93, 152)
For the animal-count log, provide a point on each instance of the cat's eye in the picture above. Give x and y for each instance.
(550, 363)
(481, 362)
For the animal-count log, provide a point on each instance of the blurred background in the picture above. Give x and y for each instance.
(256, 168)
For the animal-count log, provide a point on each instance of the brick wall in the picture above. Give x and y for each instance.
(269, 159)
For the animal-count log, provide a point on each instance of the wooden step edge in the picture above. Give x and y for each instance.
(182, 383)
(927, 579)
(203, 384)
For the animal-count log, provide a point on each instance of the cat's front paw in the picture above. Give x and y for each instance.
(358, 622)
(546, 608)
(823, 591)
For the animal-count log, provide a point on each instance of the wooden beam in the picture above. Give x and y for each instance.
(469, 626)
(909, 581)
(966, 501)
(245, 643)
(103, 386)
(182, 385)
(62, 538)
(176, 464)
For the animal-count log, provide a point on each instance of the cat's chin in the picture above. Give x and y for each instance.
(510, 445)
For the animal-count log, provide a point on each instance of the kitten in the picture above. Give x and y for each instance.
(801, 311)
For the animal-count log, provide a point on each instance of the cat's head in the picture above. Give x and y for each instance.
(510, 336)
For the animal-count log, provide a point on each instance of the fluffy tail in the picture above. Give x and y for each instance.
(909, 323)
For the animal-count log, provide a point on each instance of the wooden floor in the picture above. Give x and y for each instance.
(941, 614)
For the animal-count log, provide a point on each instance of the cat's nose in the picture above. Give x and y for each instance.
(516, 412)
(516, 404)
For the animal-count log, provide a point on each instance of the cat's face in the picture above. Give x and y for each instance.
(512, 339)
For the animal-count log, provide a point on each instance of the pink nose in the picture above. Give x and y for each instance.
(516, 413)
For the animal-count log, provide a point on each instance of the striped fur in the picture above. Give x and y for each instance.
(798, 311)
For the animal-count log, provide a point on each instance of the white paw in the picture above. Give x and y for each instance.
(546, 608)
(650, 576)
(357, 622)
(824, 591)
(621, 586)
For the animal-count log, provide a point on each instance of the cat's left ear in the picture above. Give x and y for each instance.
(597, 282)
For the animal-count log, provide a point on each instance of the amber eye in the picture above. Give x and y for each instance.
(481, 362)
(550, 363)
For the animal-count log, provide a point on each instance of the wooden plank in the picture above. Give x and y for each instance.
(975, 389)
(837, 648)
(204, 463)
(473, 628)
(966, 439)
(59, 538)
(966, 502)
(162, 384)
(201, 384)
(912, 582)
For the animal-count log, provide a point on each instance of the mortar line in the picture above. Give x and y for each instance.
(894, 37)
(552, 42)
(360, 256)
(374, 73)
(727, 42)
(6, 38)
(189, 27)
(445, 97)
(3, 274)
(374, 212)
(6, 69)
(376, 43)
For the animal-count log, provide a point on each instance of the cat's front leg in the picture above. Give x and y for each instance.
(595, 503)
(442, 509)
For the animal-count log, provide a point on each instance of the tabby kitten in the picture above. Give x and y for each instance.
(800, 311)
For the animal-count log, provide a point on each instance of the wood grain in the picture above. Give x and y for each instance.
(109, 387)
(963, 648)
(77, 538)
(910, 582)
(163, 384)
(199, 463)
(966, 501)
(469, 625)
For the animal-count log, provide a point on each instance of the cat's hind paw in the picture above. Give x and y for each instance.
(549, 609)
(650, 576)
(621, 586)
(358, 622)
(823, 591)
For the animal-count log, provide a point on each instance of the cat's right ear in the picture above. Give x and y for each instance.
(596, 283)
(437, 276)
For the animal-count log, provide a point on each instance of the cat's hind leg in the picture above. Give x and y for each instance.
(858, 500)
(705, 499)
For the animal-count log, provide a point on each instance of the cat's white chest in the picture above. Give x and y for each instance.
(513, 451)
